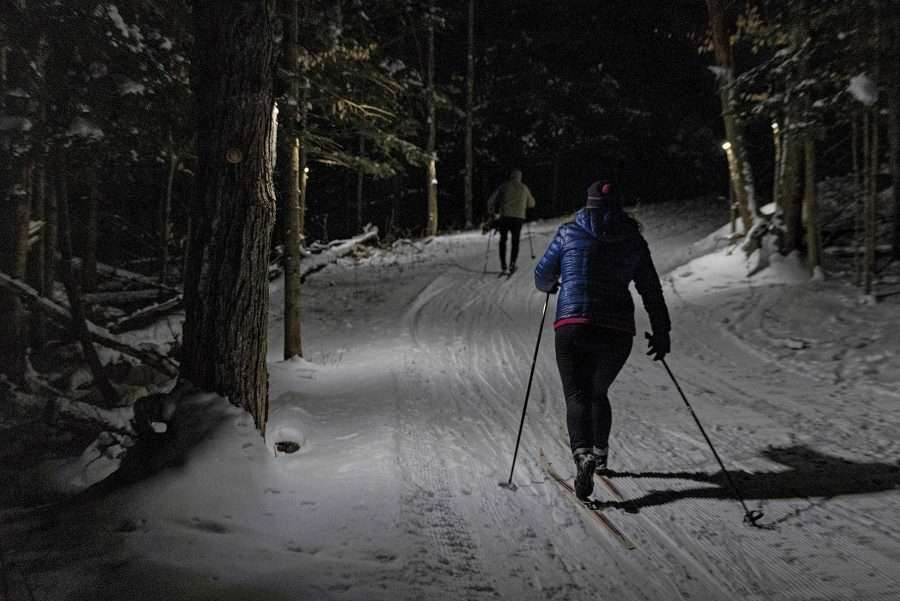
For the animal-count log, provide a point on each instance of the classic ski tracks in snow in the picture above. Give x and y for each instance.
(473, 338)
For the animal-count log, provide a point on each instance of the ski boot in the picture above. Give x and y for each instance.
(601, 456)
(584, 478)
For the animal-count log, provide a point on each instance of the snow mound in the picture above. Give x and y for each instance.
(728, 267)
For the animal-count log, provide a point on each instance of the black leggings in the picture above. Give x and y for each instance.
(589, 359)
(513, 227)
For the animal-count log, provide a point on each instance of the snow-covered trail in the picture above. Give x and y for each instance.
(407, 419)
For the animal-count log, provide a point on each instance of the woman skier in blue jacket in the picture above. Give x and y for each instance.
(591, 263)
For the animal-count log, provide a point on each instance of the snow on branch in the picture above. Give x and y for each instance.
(99, 335)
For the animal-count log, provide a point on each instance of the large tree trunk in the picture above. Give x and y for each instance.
(788, 193)
(470, 110)
(431, 227)
(80, 329)
(738, 164)
(233, 211)
(293, 346)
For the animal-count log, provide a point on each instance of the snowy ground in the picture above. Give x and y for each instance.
(406, 414)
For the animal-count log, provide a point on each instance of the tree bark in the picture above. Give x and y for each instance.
(470, 114)
(97, 335)
(893, 58)
(37, 257)
(89, 246)
(793, 208)
(165, 216)
(810, 209)
(293, 346)
(871, 203)
(14, 259)
(233, 210)
(738, 165)
(431, 227)
(360, 182)
(78, 323)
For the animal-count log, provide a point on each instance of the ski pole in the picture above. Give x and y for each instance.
(750, 516)
(530, 239)
(487, 253)
(537, 347)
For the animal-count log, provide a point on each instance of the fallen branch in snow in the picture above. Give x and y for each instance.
(314, 263)
(120, 296)
(124, 274)
(144, 315)
(116, 420)
(849, 251)
(99, 335)
(135, 277)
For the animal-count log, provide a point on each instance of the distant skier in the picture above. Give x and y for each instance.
(591, 263)
(509, 204)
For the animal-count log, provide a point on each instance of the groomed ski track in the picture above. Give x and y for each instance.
(459, 388)
(472, 341)
(407, 412)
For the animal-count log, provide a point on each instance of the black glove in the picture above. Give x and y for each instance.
(660, 345)
(555, 288)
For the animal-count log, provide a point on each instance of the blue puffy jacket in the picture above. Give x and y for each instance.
(595, 258)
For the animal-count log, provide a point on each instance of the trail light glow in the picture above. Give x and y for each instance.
(775, 125)
(726, 146)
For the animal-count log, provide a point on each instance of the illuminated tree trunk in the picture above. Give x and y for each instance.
(293, 346)
(431, 227)
(738, 165)
(870, 215)
(810, 208)
(470, 110)
(893, 56)
(233, 211)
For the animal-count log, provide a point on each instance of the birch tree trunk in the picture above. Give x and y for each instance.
(470, 110)
(292, 223)
(739, 167)
(431, 227)
(233, 211)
